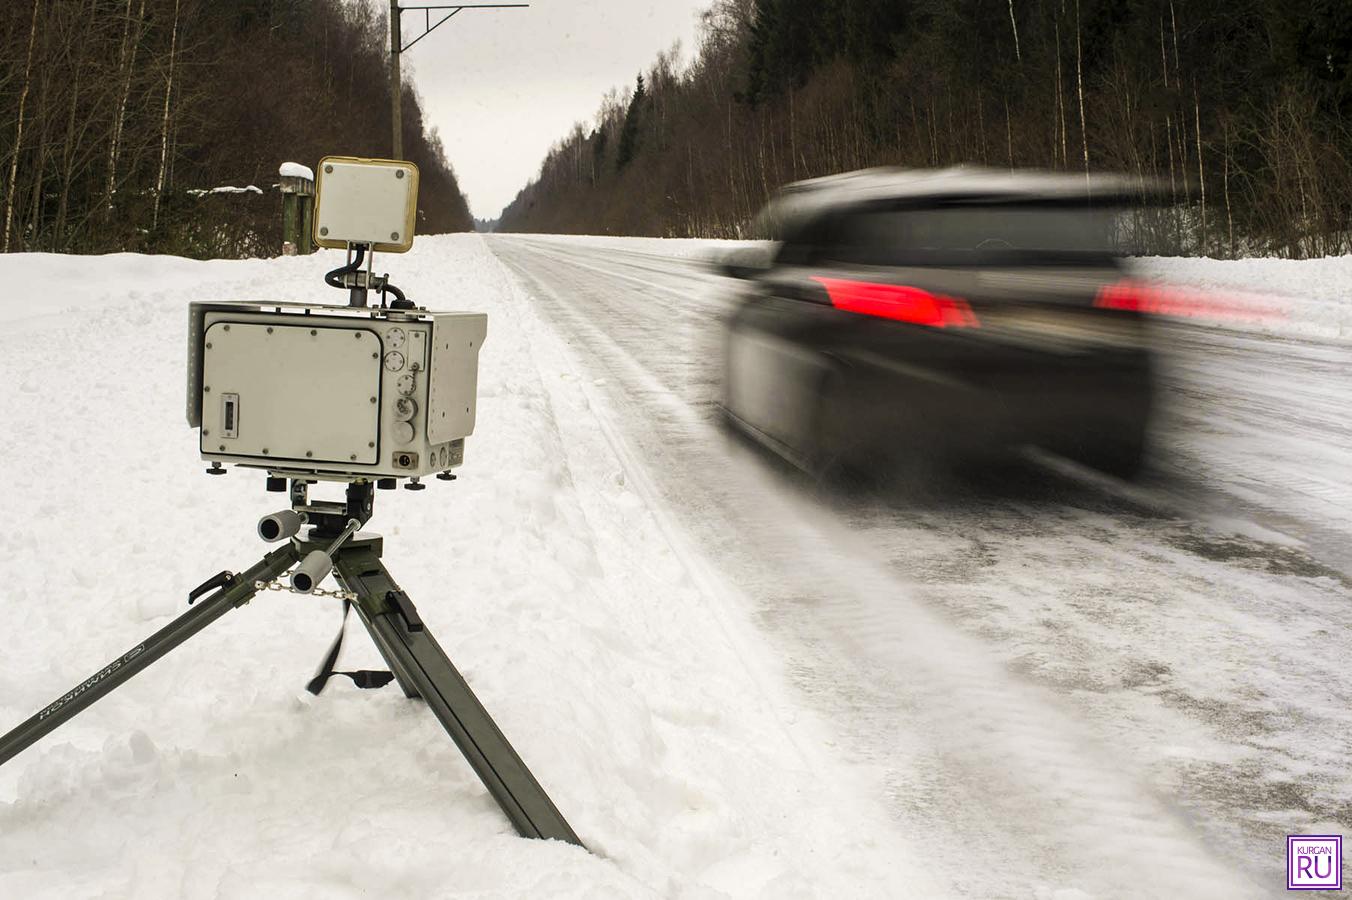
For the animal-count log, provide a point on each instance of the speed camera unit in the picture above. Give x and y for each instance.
(351, 392)
(362, 394)
(333, 392)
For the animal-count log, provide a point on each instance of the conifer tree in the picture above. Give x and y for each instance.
(629, 131)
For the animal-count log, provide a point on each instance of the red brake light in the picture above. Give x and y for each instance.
(898, 302)
(1162, 300)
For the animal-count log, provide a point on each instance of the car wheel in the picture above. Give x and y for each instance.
(1119, 450)
(1118, 443)
(1113, 434)
(836, 451)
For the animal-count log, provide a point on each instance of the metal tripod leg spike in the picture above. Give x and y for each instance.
(417, 660)
(414, 656)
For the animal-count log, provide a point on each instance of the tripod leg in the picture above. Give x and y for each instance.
(396, 664)
(235, 593)
(394, 623)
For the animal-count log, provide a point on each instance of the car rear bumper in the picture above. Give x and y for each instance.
(889, 407)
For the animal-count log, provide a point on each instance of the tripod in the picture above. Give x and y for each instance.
(416, 660)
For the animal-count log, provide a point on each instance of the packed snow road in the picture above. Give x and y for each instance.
(1050, 678)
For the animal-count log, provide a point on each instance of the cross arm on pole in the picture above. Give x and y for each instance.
(450, 10)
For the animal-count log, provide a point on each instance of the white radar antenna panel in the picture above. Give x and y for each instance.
(366, 201)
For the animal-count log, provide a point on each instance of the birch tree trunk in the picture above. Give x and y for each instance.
(1173, 21)
(1009, 136)
(1060, 102)
(981, 124)
(1201, 173)
(1169, 144)
(1225, 183)
(164, 122)
(126, 63)
(1079, 83)
(41, 123)
(1164, 56)
(18, 136)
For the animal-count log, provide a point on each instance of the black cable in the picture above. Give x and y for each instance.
(399, 297)
(332, 278)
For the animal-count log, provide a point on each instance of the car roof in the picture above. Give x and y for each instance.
(802, 202)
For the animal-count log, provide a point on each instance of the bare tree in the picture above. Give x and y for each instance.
(131, 29)
(1079, 86)
(18, 134)
(1201, 172)
(164, 120)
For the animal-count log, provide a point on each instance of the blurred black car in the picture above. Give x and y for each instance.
(948, 315)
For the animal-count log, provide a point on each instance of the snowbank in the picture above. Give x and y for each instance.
(295, 170)
(226, 189)
(632, 684)
(1312, 297)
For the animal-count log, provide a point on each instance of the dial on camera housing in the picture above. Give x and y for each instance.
(339, 393)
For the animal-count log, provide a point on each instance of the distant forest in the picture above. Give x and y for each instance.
(118, 117)
(1243, 107)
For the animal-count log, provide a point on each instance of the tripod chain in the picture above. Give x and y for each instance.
(278, 585)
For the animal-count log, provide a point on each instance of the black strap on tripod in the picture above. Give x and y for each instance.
(365, 678)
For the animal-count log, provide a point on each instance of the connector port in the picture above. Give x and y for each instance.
(230, 415)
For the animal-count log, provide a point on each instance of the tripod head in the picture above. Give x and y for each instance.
(328, 520)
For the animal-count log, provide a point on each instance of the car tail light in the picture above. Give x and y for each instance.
(1162, 300)
(899, 302)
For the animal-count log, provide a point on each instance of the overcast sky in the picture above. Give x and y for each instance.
(503, 85)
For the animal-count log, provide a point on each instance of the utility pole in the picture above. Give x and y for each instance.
(396, 83)
(398, 48)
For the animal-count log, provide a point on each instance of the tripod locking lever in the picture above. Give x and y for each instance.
(219, 580)
(399, 600)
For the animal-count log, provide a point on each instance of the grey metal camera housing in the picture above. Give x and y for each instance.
(335, 393)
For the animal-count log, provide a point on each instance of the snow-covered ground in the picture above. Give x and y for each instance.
(620, 667)
(730, 683)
